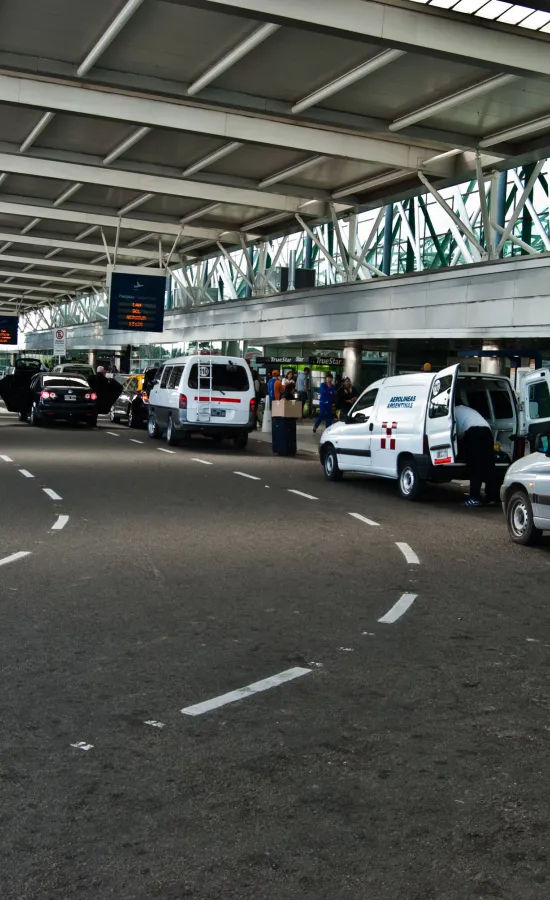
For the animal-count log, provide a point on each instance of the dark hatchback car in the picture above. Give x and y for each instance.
(60, 398)
(133, 403)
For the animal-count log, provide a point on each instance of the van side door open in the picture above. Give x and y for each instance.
(440, 423)
(535, 405)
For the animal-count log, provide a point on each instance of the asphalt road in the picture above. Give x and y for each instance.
(402, 760)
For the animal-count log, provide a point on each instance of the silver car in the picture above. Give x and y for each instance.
(525, 494)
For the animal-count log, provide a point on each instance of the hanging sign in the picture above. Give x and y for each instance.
(9, 330)
(136, 298)
(326, 361)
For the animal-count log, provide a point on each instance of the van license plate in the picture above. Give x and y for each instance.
(442, 454)
(219, 413)
(69, 398)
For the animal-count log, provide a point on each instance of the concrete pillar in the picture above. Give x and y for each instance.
(12, 358)
(491, 365)
(92, 357)
(232, 348)
(392, 357)
(353, 351)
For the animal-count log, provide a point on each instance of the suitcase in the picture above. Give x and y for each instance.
(283, 436)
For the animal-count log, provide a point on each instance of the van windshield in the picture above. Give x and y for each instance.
(224, 377)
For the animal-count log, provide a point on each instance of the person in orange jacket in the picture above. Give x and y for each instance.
(278, 389)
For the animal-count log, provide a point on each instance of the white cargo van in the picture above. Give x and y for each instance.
(211, 395)
(403, 427)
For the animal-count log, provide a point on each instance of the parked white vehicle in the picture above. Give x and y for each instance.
(212, 395)
(403, 427)
(525, 494)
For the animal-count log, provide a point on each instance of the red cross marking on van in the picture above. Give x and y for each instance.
(389, 428)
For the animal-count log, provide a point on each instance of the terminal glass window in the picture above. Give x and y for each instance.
(440, 400)
(539, 400)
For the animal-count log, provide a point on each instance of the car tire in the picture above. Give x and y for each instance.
(23, 417)
(152, 428)
(519, 517)
(332, 470)
(241, 440)
(410, 485)
(133, 421)
(91, 423)
(171, 438)
(113, 417)
(33, 416)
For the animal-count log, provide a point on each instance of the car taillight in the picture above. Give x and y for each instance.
(90, 396)
(183, 401)
(48, 395)
(145, 397)
(253, 403)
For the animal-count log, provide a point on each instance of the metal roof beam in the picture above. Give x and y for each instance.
(50, 277)
(126, 144)
(432, 109)
(107, 104)
(55, 263)
(372, 65)
(291, 171)
(59, 244)
(108, 36)
(36, 132)
(422, 30)
(211, 158)
(225, 63)
(155, 184)
(22, 208)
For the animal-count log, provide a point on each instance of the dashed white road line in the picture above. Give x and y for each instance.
(245, 475)
(26, 473)
(301, 494)
(258, 686)
(133, 440)
(82, 745)
(6, 458)
(154, 723)
(164, 450)
(61, 522)
(204, 462)
(397, 610)
(112, 433)
(408, 553)
(364, 519)
(52, 494)
(14, 556)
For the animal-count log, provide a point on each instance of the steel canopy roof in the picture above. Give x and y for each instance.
(167, 127)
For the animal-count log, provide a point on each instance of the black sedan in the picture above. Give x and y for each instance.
(61, 398)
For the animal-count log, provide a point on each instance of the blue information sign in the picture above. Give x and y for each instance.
(136, 301)
(9, 330)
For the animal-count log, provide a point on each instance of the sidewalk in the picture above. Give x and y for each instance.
(307, 442)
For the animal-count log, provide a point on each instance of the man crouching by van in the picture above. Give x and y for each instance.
(476, 438)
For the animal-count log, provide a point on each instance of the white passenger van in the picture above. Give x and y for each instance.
(211, 395)
(403, 427)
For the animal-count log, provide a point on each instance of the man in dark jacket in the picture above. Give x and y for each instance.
(345, 397)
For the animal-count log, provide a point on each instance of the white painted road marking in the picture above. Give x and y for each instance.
(409, 554)
(26, 473)
(61, 522)
(133, 440)
(14, 556)
(154, 723)
(203, 461)
(233, 696)
(164, 450)
(301, 494)
(82, 745)
(364, 519)
(398, 609)
(112, 433)
(244, 475)
(52, 494)
(6, 458)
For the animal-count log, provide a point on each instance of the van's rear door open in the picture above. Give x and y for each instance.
(534, 405)
(440, 425)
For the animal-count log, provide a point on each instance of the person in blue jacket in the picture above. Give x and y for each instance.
(326, 400)
(271, 385)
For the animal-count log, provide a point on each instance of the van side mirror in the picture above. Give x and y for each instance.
(542, 444)
(357, 419)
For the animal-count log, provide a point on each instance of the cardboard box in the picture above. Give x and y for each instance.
(286, 409)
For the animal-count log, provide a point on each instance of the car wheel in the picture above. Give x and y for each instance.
(330, 465)
(411, 486)
(23, 417)
(91, 423)
(133, 421)
(152, 428)
(519, 515)
(33, 416)
(113, 417)
(241, 440)
(171, 438)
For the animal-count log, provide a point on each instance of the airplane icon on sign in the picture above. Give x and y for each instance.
(137, 286)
